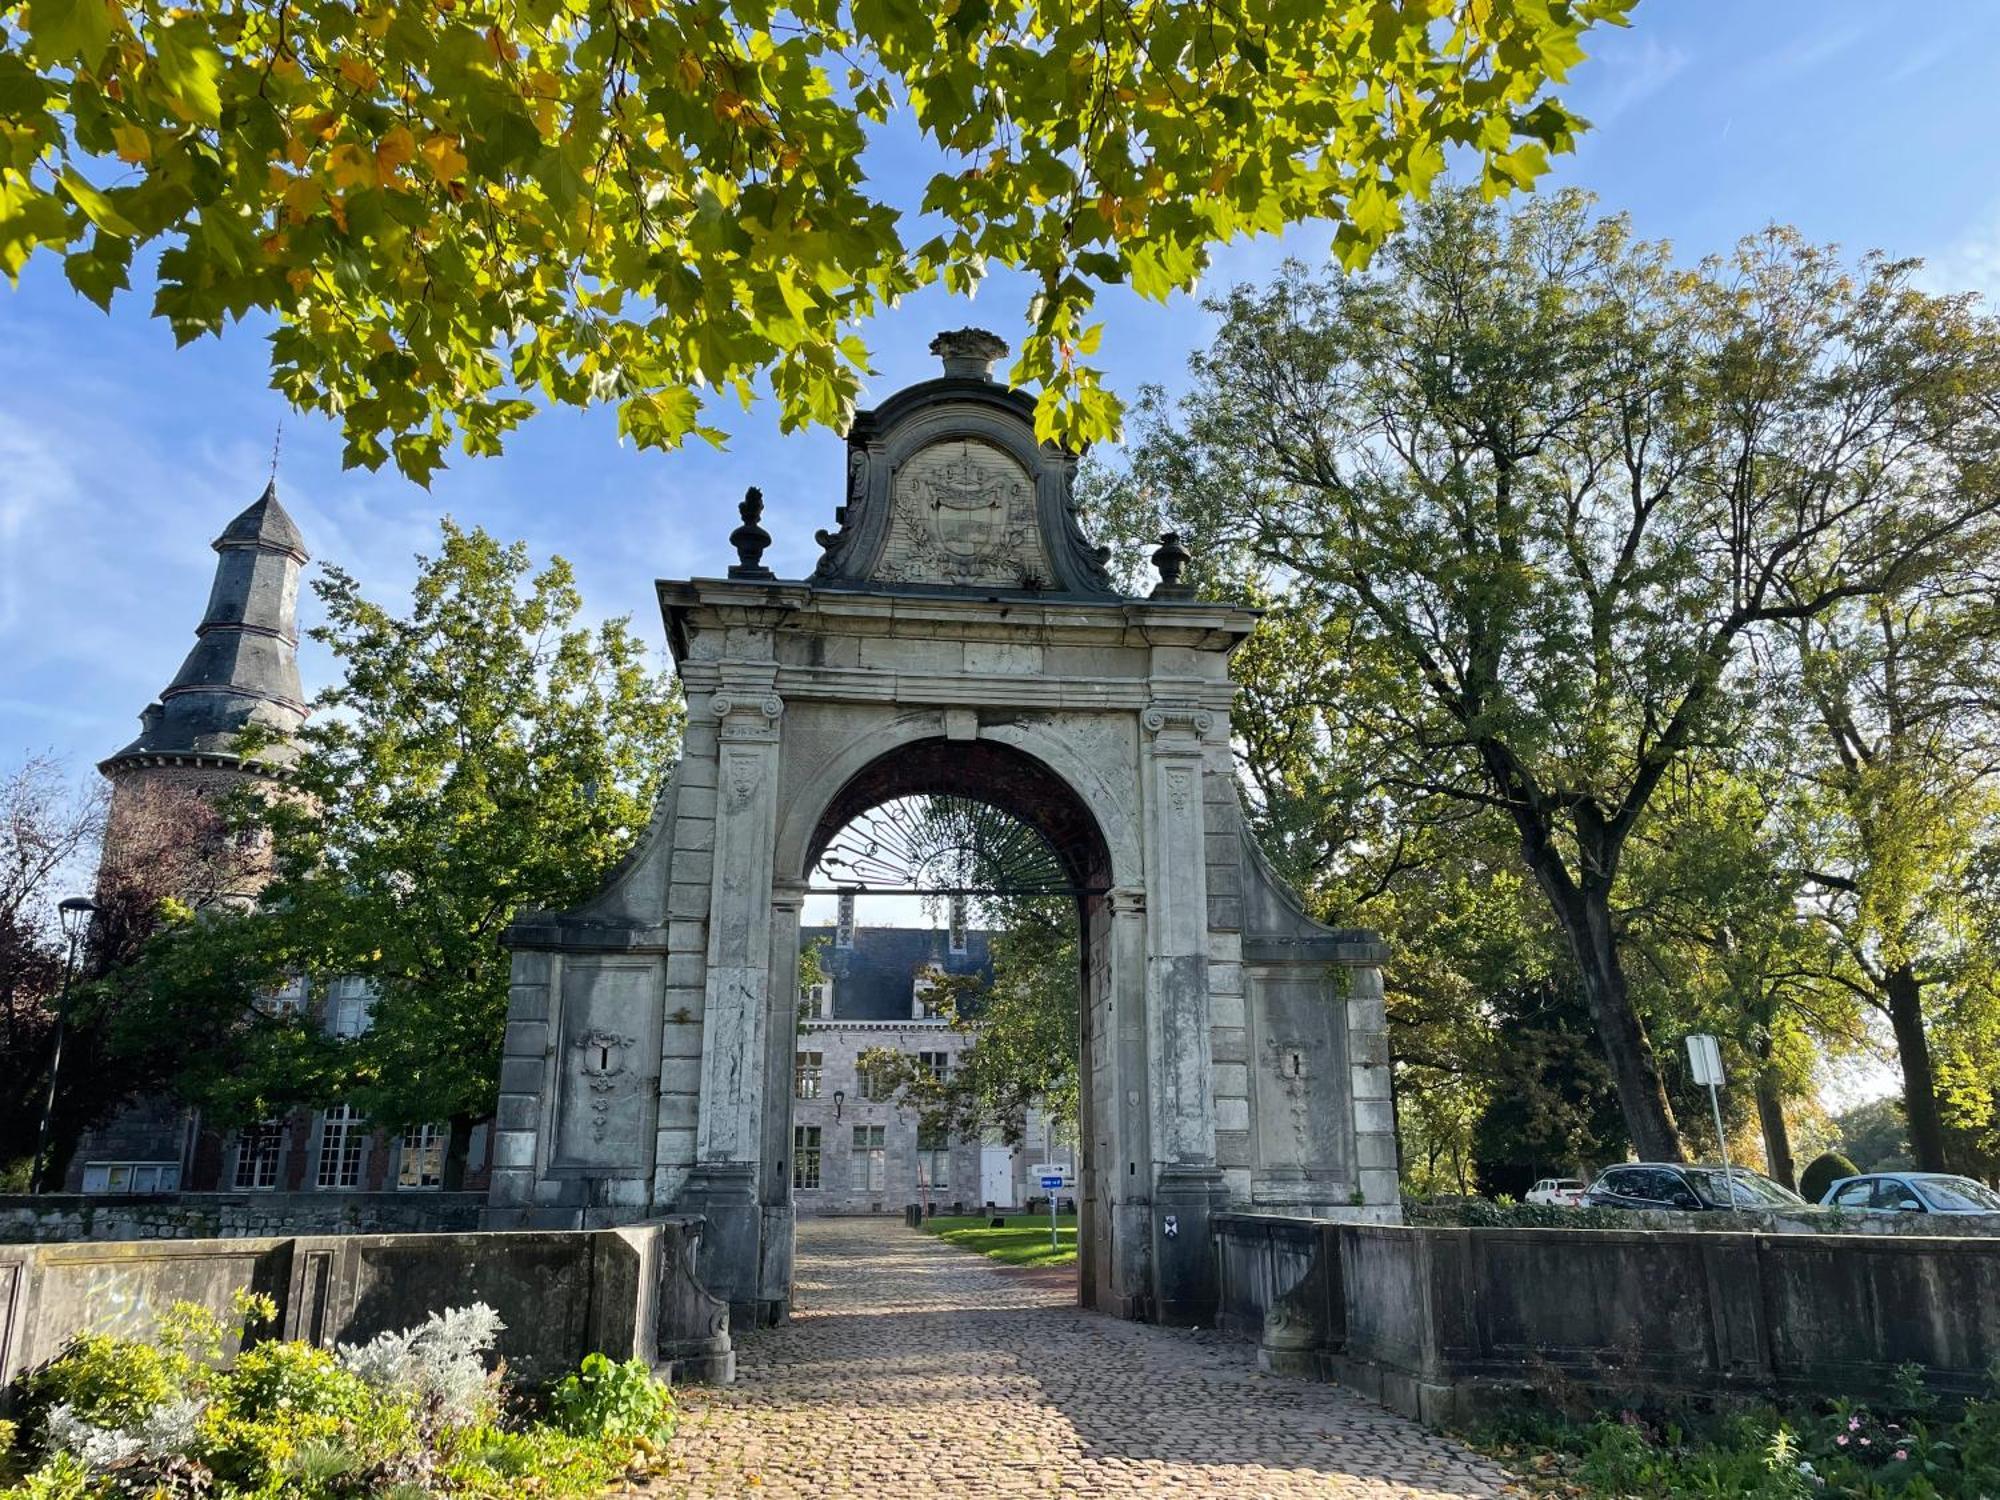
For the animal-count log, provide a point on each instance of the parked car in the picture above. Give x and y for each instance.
(1557, 1192)
(1913, 1193)
(1688, 1189)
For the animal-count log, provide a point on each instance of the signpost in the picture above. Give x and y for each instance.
(1705, 1063)
(1054, 1177)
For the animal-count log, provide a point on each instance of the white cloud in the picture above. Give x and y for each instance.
(1971, 263)
(1628, 75)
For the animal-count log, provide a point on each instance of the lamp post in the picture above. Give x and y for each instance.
(75, 913)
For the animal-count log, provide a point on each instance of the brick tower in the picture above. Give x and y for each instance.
(243, 671)
(162, 837)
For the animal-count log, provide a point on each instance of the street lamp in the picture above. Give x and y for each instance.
(839, 1098)
(75, 913)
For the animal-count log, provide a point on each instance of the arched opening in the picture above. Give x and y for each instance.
(990, 877)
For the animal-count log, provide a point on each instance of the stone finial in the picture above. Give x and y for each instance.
(1170, 557)
(750, 539)
(969, 352)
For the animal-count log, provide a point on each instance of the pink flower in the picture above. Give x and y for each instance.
(1902, 1453)
(1841, 1440)
(1853, 1424)
(1864, 1442)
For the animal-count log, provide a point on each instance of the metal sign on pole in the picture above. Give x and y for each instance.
(1053, 1176)
(1705, 1063)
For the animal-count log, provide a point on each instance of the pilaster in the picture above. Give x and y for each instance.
(1188, 1185)
(724, 1185)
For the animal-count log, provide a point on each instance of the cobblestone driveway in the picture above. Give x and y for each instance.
(914, 1369)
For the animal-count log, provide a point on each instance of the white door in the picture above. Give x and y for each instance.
(996, 1175)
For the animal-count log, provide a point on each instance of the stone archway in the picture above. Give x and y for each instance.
(1030, 791)
(959, 635)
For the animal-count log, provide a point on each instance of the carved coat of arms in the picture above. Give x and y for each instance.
(964, 513)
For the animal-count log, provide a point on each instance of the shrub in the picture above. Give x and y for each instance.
(406, 1415)
(1822, 1172)
(1838, 1450)
(603, 1399)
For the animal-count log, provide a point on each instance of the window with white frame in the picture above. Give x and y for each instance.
(937, 1064)
(805, 1156)
(420, 1163)
(817, 999)
(258, 1149)
(131, 1176)
(868, 1168)
(933, 1160)
(874, 1081)
(926, 1001)
(341, 1139)
(288, 1000)
(808, 1070)
(349, 1001)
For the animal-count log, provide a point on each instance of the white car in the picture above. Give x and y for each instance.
(1557, 1192)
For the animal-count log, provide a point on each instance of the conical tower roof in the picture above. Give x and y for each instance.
(244, 667)
(265, 524)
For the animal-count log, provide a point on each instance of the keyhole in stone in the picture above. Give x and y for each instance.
(604, 1059)
(1295, 1065)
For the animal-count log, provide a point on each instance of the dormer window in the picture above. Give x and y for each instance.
(350, 1003)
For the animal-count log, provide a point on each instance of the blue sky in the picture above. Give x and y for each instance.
(120, 457)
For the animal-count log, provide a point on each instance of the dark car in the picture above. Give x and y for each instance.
(1687, 1189)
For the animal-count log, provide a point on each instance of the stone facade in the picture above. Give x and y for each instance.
(1233, 1050)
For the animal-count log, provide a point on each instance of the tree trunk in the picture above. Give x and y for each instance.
(1913, 1049)
(1777, 1134)
(458, 1146)
(1584, 914)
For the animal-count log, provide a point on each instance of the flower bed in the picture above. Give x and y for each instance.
(408, 1414)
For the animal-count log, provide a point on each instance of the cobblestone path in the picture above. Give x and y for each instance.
(915, 1369)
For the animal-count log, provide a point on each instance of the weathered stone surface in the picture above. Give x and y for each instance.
(623, 1292)
(59, 1218)
(959, 636)
(1446, 1324)
(911, 1370)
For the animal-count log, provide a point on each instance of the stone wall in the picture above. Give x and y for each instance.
(629, 1292)
(57, 1218)
(1444, 1324)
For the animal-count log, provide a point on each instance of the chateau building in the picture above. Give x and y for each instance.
(854, 1149)
(162, 838)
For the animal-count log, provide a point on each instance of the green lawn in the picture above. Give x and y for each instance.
(1024, 1242)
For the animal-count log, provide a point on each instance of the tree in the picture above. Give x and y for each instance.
(1547, 490)
(48, 834)
(1876, 1136)
(483, 754)
(455, 211)
(1023, 1023)
(1900, 709)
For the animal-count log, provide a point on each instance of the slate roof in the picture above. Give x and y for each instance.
(872, 980)
(244, 666)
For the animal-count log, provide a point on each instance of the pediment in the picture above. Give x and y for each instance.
(947, 489)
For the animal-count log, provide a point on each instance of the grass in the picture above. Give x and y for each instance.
(1023, 1242)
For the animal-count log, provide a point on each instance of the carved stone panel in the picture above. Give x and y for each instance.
(1297, 1066)
(963, 512)
(609, 1063)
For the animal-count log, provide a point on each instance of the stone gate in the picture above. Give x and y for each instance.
(959, 635)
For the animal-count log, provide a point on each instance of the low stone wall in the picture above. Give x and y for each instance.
(1444, 1324)
(629, 1293)
(64, 1218)
(1805, 1220)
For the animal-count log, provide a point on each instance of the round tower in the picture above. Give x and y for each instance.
(243, 670)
